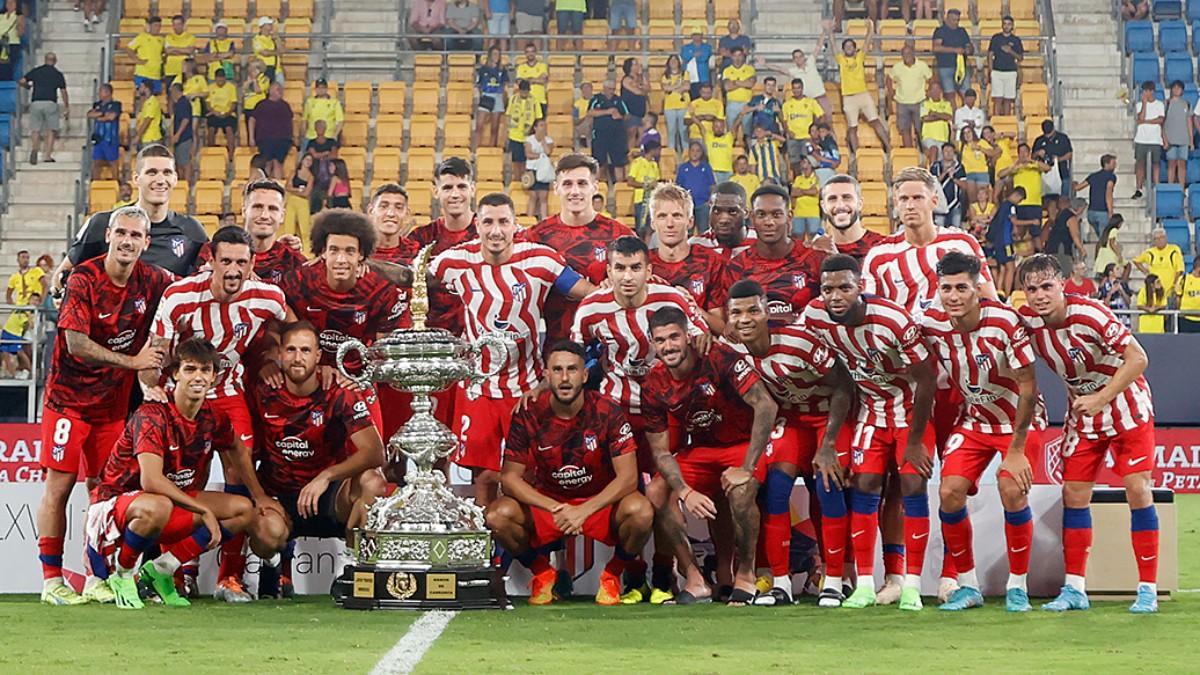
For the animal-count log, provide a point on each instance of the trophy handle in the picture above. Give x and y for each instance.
(345, 349)
(495, 342)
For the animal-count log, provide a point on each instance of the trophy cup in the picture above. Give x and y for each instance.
(423, 547)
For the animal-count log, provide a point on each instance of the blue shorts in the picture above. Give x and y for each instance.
(622, 14)
(569, 23)
(803, 226)
(106, 152)
(1177, 153)
(11, 343)
(980, 178)
(156, 86)
(1002, 254)
(946, 77)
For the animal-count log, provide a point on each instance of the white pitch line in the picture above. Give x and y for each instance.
(407, 653)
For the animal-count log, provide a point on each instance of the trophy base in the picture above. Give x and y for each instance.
(367, 586)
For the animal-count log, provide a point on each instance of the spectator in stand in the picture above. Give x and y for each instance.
(147, 52)
(1062, 238)
(937, 118)
(675, 88)
(649, 130)
(738, 79)
(732, 40)
(569, 16)
(1114, 291)
(150, 115)
(918, 9)
(765, 109)
(222, 116)
(1001, 238)
(491, 78)
(635, 90)
(579, 115)
(876, 10)
(1151, 301)
(703, 111)
(195, 87)
(522, 113)
(1005, 53)
(1132, 10)
(323, 148)
(823, 150)
(804, 69)
(178, 45)
(182, 132)
(1080, 283)
(798, 113)
(15, 354)
(1108, 249)
(266, 49)
(427, 18)
(1177, 131)
(106, 135)
(27, 280)
(742, 175)
(531, 16)
(600, 206)
(297, 214)
(951, 47)
(538, 148)
(1100, 185)
(969, 114)
(1027, 173)
(979, 216)
(124, 196)
(1189, 301)
(254, 88)
(806, 209)
(12, 30)
(1148, 140)
(338, 195)
(537, 74)
(856, 100)
(696, 56)
(1055, 149)
(953, 178)
(765, 156)
(271, 130)
(324, 108)
(219, 53)
(1162, 259)
(45, 81)
(696, 176)
(975, 153)
(499, 22)
(1004, 144)
(609, 139)
(906, 84)
(644, 174)
(718, 148)
(623, 20)
(463, 17)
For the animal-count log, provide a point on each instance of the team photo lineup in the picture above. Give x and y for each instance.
(651, 378)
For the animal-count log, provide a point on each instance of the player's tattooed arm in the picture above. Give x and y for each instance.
(1015, 462)
(697, 504)
(400, 275)
(826, 462)
(85, 349)
(765, 411)
(150, 378)
(925, 378)
(512, 480)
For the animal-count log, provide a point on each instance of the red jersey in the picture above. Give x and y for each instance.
(709, 240)
(188, 309)
(508, 298)
(117, 318)
(573, 458)
(445, 310)
(1086, 352)
(700, 274)
(859, 249)
(878, 353)
(372, 306)
(1086, 288)
(906, 274)
(271, 265)
(585, 250)
(403, 253)
(186, 447)
(792, 370)
(298, 437)
(707, 403)
(625, 336)
(790, 281)
(981, 363)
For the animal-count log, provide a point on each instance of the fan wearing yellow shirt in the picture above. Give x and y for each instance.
(195, 86)
(644, 174)
(719, 145)
(1003, 143)
(321, 106)
(806, 209)
(703, 112)
(221, 101)
(937, 115)
(254, 88)
(218, 53)
(1189, 301)
(906, 85)
(1026, 173)
(743, 176)
(522, 113)
(738, 79)
(149, 117)
(1151, 300)
(537, 74)
(975, 155)
(675, 88)
(799, 112)
(1163, 259)
(147, 52)
(15, 356)
(857, 101)
(179, 45)
(265, 47)
(579, 114)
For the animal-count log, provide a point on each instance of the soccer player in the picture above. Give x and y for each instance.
(842, 205)
(389, 214)
(882, 347)
(301, 432)
(577, 232)
(785, 267)
(727, 413)
(231, 310)
(151, 489)
(570, 468)
(983, 346)
(1110, 411)
(503, 286)
(695, 269)
(262, 213)
(814, 393)
(102, 343)
(727, 221)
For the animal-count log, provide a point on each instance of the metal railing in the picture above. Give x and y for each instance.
(30, 346)
(1171, 317)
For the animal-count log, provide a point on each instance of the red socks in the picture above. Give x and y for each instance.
(864, 527)
(1018, 532)
(777, 538)
(233, 560)
(1144, 532)
(50, 553)
(834, 531)
(916, 532)
(956, 530)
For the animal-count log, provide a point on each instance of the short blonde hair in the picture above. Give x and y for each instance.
(916, 174)
(669, 192)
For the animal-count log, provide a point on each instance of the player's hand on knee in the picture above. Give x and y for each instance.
(306, 504)
(1016, 464)
(214, 528)
(734, 477)
(698, 504)
(829, 471)
(916, 455)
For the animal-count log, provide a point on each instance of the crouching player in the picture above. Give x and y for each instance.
(301, 431)
(570, 467)
(984, 348)
(150, 490)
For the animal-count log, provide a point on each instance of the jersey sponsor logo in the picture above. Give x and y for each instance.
(139, 305)
(359, 407)
(625, 433)
(590, 442)
(911, 333)
(571, 476)
(777, 307)
(330, 339)
(703, 419)
(317, 417)
(182, 478)
(978, 395)
(399, 307)
(867, 373)
(122, 341)
(293, 448)
(1079, 385)
(178, 246)
(637, 368)
(1112, 330)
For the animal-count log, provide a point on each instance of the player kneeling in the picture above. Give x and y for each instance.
(984, 347)
(581, 478)
(301, 431)
(150, 491)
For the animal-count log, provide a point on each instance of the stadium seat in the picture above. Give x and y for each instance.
(562, 68)
(420, 165)
(212, 163)
(1178, 67)
(355, 129)
(271, 8)
(168, 9)
(662, 9)
(723, 10)
(660, 27)
(205, 9)
(1193, 198)
(903, 158)
(460, 68)
(358, 97)
(870, 164)
(1166, 9)
(489, 162)
(1139, 37)
(236, 10)
(422, 131)
(1193, 171)
(1168, 201)
(595, 33)
(1145, 68)
(210, 197)
(425, 97)
(1035, 101)
(875, 199)
(295, 34)
(964, 6)
(210, 223)
(1172, 37)
(1178, 234)
(893, 32)
(356, 161)
(179, 197)
(300, 9)
(457, 130)
(1022, 9)
(460, 98)
(241, 163)
(102, 194)
(8, 98)
(427, 68)
(385, 165)
(392, 98)
(389, 129)
(420, 201)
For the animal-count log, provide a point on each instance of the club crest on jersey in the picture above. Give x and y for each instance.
(697, 285)
(241, 329)
(360, 317)
(139, 305)
(317, 418)
(799, 280)
(600, 253)
(519, 291)
(707, 388)
(1075, 354)
(874, 355)
(590, 442)
(983, 361)
(178, 246)
(58, 452)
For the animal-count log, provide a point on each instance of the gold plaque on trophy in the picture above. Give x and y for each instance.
(364, 585)
(440, 587)
(401, 585)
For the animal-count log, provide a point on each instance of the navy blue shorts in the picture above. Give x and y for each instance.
(610, 149)
(106, 152)
(517, 150)
(274, 149)
(1002, 254)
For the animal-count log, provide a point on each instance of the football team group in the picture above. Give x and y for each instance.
(703, 375)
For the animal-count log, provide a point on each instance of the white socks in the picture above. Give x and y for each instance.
(1077, 582)
(1016, 581)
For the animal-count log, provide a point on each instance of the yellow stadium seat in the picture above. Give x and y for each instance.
(488, 164)
(422, 131)
(389, 130)
(903, 158)
(457, 130)
(210, 223)
(594, 69)
(460, 68)
(295, 34)
(561, 128)
(923, 29)
(484, 187)
(723, 10)
(179, 197)
(427, 68)
(385, 165)
(460, 98)
(1017, 299)
(356, 161)
(355, 129)
(420, 202)
(123, 92)
(895, 29)
(989, 9)
(420, 165)
(1004, 124)
(1028, 30)
(562, 68)
(102, 194)
(870, 164)
(693, 10)
(392, 98)
(596, 35)
(875, 199)
(271, 8)
(963, 6)
(425, 97)
(168, 9)
(203, 8)
(358, 97)
(878, 224)
(624, 207)
(662, 10)
(235, 10)
(137, 9)
(857, 29)
(237, 196)
(212, 163)
(241, 162)
(199, 25)
(1033, 70)
(210, 197)
(300, 9)
(661, 27)
(1035, 100)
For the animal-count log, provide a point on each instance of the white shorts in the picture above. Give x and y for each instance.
(1004, 84)
(101, 533)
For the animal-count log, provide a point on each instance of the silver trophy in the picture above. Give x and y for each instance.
(423, 547)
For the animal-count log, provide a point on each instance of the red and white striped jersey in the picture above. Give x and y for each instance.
(793, 368)
(907, 275)
(982, 363)
(625, 335)
(505, 299)
(878, 353)
(1086, 351)
(188, 309)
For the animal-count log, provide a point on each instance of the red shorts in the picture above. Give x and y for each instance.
(443, 406)
(180, 524)
(702, 467)
(234, 407)
(796, 439)
(875, 450)
(968, 452)
(481, 427)
(598, 526)
(395, 407)
(1133, 452)
(69, 444)
(947, 409)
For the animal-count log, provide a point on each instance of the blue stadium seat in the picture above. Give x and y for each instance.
(1191, 94)
(1145, 68)
(1178, 67)
(1193, 171)
(1193, 10)
(1139, 37)
(5, 131)
(1172, 37)
(1168, 201)
(1166, 9)
(8, 98)
(1193, 201)
(1178, 234)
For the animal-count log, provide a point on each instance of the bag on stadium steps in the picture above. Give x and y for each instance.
(1052, 180)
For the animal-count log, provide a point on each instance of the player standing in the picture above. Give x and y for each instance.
(882, 347)
(389, 214)
(814, 393)
(726, 221)
(1110, 411)
(503, 287)
(102, 343)
(695, 269)
(984, 348)
(581, 479)
(841, 206)
(262, 213)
